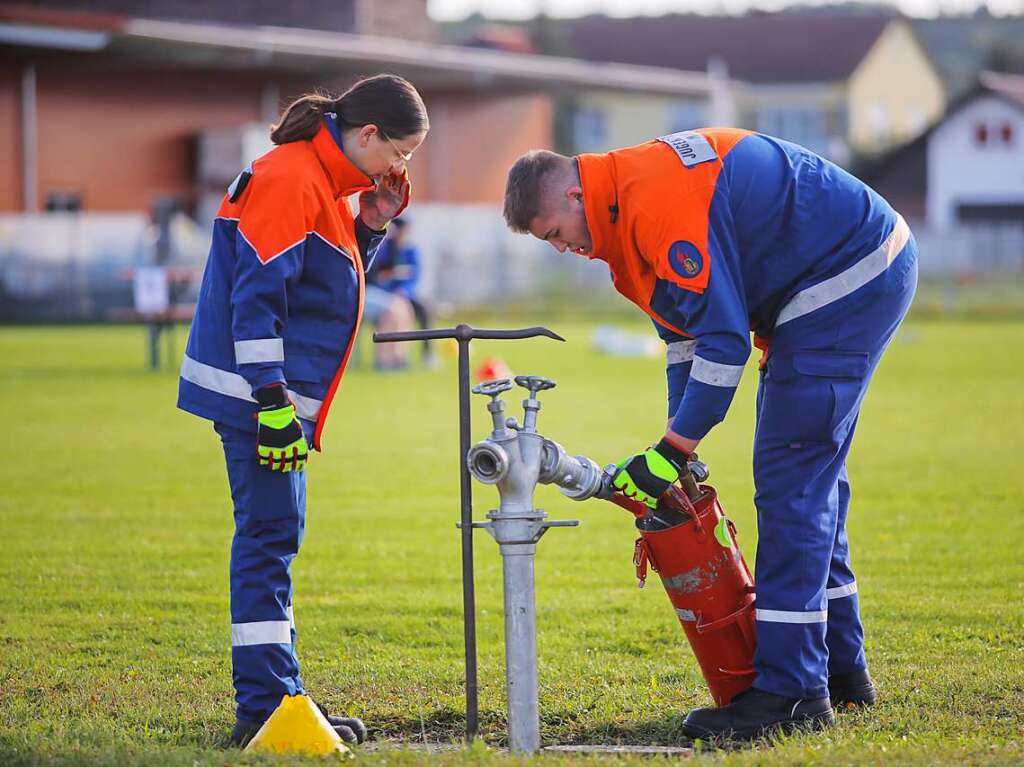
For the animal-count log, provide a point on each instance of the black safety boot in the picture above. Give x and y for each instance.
(754, 713)
(349, 728)
(243, 732)
(851, 690)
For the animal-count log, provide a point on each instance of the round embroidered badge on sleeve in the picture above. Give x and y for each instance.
(685, 259)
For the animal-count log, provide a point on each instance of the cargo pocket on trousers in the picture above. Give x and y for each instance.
(811, 396)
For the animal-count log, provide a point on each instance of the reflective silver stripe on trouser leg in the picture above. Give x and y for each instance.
(680, 351)
(259, 350)
(233, 385)
(261, 632)
(791, 616)
(844, 283)
(838, 592)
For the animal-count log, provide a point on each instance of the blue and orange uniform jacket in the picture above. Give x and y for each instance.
(282, 294)
(718, 232)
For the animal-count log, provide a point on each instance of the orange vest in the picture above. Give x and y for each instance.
(647, 211)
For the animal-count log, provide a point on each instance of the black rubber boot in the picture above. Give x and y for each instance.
(755, 713)
(243, 732)
(850, 691)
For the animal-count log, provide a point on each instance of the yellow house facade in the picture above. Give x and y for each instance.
(895, 92)
(843, 86)
(605, 121)
(891, 95)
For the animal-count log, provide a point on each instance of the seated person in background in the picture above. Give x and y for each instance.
(396, 269)
(389, 312)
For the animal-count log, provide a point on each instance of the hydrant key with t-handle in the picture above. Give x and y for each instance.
(464, 334)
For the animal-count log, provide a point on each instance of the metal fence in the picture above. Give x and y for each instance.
(74, 267)
(975, 269)
(470, 258)
(79, 266)
(975, 249)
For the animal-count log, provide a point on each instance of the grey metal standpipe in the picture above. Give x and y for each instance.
(516, 458)
(464, 334)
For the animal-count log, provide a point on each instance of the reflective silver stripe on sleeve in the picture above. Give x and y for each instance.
(233, 385)
(215, 379)
(680, 351)
(291, 617)
(259, 350)
(841, 591)
(261, 632)
(787, 616)
(844, 283)
(715, 373)
(686, 615)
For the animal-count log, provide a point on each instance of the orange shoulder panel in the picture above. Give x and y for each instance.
(723, 139)
(278, 207)
(662, 194)
(671, 216)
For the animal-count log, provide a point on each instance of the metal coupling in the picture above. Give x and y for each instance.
(577, 477)
(488, 462)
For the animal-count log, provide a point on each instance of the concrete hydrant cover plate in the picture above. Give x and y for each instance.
(610, 749)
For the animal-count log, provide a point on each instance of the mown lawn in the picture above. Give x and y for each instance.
(115, 523)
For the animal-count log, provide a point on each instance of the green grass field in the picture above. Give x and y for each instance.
(115, 521)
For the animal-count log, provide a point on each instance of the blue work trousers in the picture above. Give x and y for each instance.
(818, 369)
(270, 516)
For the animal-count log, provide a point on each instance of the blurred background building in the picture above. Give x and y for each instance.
(121, 124)
(839, 85)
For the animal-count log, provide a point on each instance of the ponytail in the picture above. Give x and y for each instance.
(301, 120)
(387, 101)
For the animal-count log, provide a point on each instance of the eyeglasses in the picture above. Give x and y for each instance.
(406, 156)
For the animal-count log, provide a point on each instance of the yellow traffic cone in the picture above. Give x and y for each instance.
(298, 726)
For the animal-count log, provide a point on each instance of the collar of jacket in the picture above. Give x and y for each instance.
(345, 177)
(601, 206)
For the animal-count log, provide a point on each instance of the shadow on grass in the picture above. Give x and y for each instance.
(439, 725)
(662, 732)
(566, 727)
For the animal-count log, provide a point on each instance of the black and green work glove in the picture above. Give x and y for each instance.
(646, 476)
(280, 443)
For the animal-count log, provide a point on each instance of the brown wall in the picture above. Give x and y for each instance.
(333, 15)
(10, 136)
(472, 142)
(123, 138)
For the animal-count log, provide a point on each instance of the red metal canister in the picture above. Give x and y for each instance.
(692, 546)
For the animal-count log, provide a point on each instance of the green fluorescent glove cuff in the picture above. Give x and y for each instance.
(660, 466)
(277, 419)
